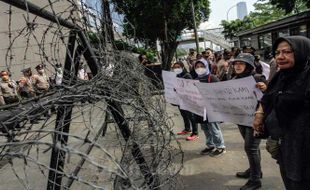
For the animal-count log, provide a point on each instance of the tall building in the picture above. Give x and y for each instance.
(241, 10)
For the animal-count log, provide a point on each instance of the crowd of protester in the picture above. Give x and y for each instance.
(210, 67)
(282, 116)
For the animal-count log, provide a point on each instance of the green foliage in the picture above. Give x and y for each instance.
(144, 19)
(121, 45)
(150, 53)
(93, 37)
(291, 6)
(235, 26)
(181, 52)
(265, 11)
(149, 20)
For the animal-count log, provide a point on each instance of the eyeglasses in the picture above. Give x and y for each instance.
(285, 52)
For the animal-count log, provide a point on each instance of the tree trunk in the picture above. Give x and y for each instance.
(168, 51)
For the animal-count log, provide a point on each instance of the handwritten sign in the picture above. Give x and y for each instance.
(189, 96)
(231, 101)
(169, 79)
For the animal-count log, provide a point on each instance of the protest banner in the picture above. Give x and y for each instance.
(230, 101)
(189, 96)
(169, 79)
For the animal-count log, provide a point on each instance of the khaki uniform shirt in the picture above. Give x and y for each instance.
(40, 82)
(8, 88)
(1, 99)
(26, 88)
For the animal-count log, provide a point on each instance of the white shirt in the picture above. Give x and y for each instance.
(266, 69)
(82, 74)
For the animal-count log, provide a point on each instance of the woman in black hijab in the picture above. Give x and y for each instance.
(285, 111)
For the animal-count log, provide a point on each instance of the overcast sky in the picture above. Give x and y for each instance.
(219, 9)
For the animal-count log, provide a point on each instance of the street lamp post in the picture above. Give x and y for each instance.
(229, 10)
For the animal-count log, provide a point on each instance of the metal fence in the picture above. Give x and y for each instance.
(108, 132)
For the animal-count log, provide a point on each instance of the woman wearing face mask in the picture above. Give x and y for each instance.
(243, 66)
(214, 138)
(188, 117)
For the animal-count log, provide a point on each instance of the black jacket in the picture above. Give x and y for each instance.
(184, 75)
(208, 78)
(287, 100)
(257, 77)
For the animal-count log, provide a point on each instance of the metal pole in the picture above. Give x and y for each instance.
(89, 54)
(61, 127)
(101, 132)
(118, 114)
(204, 39)
(229, 10)
(36, 10)
(195, 27)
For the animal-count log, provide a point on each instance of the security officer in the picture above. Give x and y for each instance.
(8, 88)
(40, 80)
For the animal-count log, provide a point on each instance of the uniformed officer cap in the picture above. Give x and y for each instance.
(40, 66)
(26, 70)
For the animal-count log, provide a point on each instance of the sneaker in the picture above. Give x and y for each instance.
(207, 151)
(218, 152)
(252, 185)
(192, 137)
(184, 132)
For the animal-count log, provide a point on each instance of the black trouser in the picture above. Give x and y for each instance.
(290, 184)
(10, 99)
(189, 120)
(251, 147)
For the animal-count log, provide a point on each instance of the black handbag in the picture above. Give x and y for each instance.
(273, 147)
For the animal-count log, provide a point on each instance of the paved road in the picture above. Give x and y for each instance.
(199, 172)
(205, 172)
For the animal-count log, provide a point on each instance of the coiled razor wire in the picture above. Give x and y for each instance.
(97, 152)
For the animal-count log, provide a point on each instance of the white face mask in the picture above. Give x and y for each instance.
(178, 70)
(201, 71)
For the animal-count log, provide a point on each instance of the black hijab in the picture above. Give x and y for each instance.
(283, 78)
(301, 47)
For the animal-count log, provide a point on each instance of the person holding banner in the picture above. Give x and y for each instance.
(187, 116)
(243, 66)
(214, 137)
(284, 111)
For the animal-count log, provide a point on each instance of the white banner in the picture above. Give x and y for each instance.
(189, 96)
(231, 101)
(169, 79)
